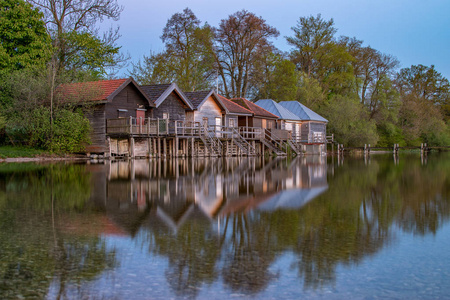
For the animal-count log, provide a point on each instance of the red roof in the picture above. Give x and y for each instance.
(90, 90)
(233, 107)
(257, 110)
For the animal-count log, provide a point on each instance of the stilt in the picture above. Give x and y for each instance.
(131, 147)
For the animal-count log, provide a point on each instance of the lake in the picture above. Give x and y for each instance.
(314, 227)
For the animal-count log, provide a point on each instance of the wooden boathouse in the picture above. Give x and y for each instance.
(161, 120)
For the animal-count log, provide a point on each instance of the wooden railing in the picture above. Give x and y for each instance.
(132, 125)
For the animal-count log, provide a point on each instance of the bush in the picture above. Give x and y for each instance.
(349, 122)
(69, 133)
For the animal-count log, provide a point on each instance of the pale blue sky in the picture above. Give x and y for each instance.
(416, 32)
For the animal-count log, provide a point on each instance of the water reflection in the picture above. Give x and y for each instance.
(212, 221)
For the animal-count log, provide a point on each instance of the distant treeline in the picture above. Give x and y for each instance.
(361, 91)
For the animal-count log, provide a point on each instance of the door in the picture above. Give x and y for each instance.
(140, 117)
(297, 132)
(218, 126)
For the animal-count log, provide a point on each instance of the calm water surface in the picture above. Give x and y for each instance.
(314, 227)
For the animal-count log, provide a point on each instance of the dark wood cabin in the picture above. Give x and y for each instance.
(170, 102)
(208, 108)
(106, 99)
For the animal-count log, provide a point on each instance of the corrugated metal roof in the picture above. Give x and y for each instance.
(302, 111)
(276, 109)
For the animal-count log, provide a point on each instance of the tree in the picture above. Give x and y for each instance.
(318, 55)
(348, 120)
(425, 94)
(310, 36)
(425, 83)
(186, 58)
(239, 42)
(72, 25)
(279, 79)
(23, 38)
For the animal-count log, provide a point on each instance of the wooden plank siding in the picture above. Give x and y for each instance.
(97, 120)
(128, 99)
(209, 109)
(174, 106)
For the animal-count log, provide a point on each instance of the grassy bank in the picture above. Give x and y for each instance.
(19, 151)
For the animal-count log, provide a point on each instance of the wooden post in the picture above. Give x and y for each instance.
(131, 146)
(164, 147)
(159, 147)
(157, 126)
(131, 125)
(176, 146)
(368, 149)
(149, 147)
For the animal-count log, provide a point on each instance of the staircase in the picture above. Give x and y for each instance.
(295, 146)
(211, 142)
(272, 144)
(242, 144)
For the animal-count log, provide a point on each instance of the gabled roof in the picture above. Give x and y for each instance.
(234, 108)
(277, 109)
(302, 111)
(199, 97)
(159, 92)
(96, 91)
(257, 110)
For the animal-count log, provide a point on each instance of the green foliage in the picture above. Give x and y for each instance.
(68, 133)
(23, 38)
(310, 92)
(87, 55)
(348, 120)
(279, 80)
(18, 151)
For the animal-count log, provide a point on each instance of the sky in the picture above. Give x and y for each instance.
(416, 32)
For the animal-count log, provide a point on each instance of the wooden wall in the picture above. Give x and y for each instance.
(96, 117)
(227, 118)
(210, 109)
(172, 105)
(310, 127)
(130, 99)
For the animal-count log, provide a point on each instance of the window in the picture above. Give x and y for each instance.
(205, 121)
(165, 115)
(122, 113)
(231, 123)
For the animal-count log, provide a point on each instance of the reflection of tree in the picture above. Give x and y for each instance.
(249, 255)
(33, 250)
(192, 253)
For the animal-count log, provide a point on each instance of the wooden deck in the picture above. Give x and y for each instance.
(191, 138)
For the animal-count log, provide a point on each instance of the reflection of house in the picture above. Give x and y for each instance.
(292, 199)
(174, 191)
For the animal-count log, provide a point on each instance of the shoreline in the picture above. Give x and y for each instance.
(41, 159)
